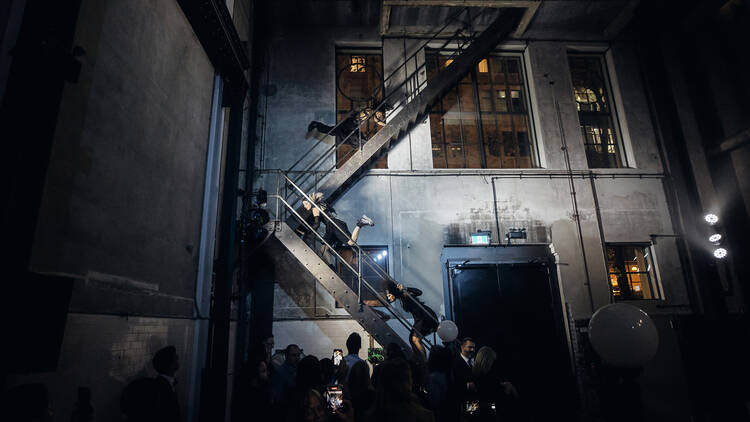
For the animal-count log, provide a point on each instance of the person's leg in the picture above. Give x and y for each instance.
(363, 221)
(417, 345)
(320, 131)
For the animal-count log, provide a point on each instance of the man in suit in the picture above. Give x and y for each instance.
(462, 378)
(166, 364)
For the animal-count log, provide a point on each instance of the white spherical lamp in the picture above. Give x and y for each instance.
(623, 335)
(447, 331)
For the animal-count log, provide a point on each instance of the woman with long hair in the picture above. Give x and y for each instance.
(496, 397)
(394, 399)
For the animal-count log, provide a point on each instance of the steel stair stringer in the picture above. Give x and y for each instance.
(341, 179)
(363, 314)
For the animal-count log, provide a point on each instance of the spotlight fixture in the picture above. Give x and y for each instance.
(711, 219)
(714, 238)
(720, 253)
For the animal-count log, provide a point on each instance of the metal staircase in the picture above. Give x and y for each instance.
(349, 295)
(410, 100)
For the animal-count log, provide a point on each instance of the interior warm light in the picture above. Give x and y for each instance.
(448, 62)
(711, 219)
(720, 253)
(483, 67)
(637, 288)
(714, 238)
(633, 268)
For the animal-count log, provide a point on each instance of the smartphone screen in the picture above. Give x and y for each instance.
(338, 355)
(334, 398)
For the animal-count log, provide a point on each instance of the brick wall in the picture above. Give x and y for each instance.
(105, 353)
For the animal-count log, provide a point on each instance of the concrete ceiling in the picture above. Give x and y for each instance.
(544, 19)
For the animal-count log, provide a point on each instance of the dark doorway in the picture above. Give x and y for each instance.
(515, 309)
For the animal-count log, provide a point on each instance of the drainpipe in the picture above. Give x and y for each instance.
(574, 200)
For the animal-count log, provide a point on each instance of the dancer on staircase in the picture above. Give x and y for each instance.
(425, 319)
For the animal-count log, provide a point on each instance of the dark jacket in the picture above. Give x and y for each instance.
(167, 409)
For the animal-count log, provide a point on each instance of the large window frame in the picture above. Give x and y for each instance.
(633, 278)
(358, 62)
(482, 112)
(592, 138)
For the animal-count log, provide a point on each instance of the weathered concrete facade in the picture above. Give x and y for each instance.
(418, 209)
(124, 210)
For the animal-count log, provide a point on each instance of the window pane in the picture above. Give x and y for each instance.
(630, 272)
(594, 111)
(359, 75)
(493, 124)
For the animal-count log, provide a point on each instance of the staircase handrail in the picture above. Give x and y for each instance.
(385, 101)
(370, 262)
(360, 254)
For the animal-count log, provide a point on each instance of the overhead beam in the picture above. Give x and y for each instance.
(462, 3)
(622, 19)
(385, 18)
(530, 5)
(526, 19)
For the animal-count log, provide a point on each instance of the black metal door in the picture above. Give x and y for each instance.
(515, 309)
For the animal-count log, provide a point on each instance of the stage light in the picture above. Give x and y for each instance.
(711, 219)
(714, 238)
(720, 253)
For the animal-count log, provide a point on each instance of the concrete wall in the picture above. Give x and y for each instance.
(417, 210)
(105, 353)
(122, 204)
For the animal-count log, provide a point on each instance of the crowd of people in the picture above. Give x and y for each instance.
(456, 383)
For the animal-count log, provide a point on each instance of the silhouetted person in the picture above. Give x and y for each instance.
(252, 398)
(327, 369)
(359, 389)
(497, 398)
(284, 378)
(392, 351)
(353, 345)
(166, 364)
(308, 374)
(439, 383)
(138, 400)
(394, 399)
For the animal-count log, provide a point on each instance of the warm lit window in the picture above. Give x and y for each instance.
(359, 79)
(595, 111)
(631, 272)
(484, 121)
(358, 64)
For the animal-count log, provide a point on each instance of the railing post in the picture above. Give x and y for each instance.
(359, 274)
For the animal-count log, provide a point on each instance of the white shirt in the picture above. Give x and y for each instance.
(169, 379)
(468, 361)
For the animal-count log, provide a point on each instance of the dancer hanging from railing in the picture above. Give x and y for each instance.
(341, 240)
(344, 132)
(425, 319)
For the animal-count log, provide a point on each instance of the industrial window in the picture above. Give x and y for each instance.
(484, 121)
(359, 81)
(631, 270)
(379, 257)
(595, 111)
